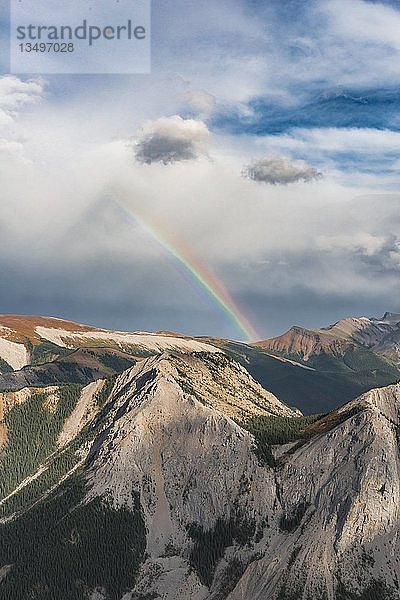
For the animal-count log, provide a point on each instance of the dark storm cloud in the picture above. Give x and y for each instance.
(277, 312)
(111, 293)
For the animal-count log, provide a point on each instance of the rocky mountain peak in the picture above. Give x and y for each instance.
(336, 490)
(155, 475)
(391, 317)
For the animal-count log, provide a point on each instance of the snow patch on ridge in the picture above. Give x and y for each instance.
(16, 355)
(144, 341)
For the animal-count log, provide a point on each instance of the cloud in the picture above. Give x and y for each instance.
(364, 141)
(12, 150)
(377, 251)
(362, 242)
(370, 23)
(15, 93)
(216, 46)
(357, 157)
(280, 170)
(200, 101)
(240, 55)
(5, 118)
(290, 251)
(172, 139)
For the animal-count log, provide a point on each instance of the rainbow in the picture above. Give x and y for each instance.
(199, 272)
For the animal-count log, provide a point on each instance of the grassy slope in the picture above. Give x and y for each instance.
(335, 380)
(77, 366)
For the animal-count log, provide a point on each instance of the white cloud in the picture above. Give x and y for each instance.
(358, 44)
(200, 101)
(361, 241)
(5, 118)
(15, 93)
(280, 170)
(335, 139)
(172, 139)
(365, 22)
(236, 54)
(12, 150)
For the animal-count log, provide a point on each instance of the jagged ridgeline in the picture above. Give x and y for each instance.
(182, 477)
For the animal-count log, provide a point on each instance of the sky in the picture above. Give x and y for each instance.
(259, 157)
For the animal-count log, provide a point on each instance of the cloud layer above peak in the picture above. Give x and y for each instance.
(307, 95)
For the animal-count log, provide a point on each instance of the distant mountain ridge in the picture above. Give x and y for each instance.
(313, 370)
(42, 351)
(380, 335)
(20, 336)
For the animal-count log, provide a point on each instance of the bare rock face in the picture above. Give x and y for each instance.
(340, 499)
(305, 342)
(323, 523)
(165, 444)
(192, 466)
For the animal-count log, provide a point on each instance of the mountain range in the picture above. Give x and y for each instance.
(138, 466)
(314, 370)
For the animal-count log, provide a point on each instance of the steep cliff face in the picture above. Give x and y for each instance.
(339, 494)
(161, 494)
(190, 465)
(323, 524)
